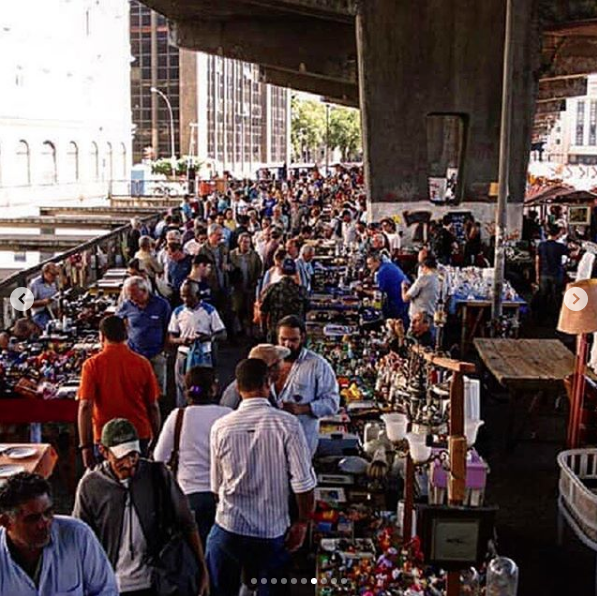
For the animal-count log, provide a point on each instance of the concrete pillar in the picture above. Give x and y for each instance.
(441, 57)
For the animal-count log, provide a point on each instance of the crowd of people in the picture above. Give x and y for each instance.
(230, 470)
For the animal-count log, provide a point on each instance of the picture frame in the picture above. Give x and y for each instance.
(330, 494)
(455, 537)
(579, 215)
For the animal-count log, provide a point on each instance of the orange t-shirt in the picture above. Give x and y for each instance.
(120, 384)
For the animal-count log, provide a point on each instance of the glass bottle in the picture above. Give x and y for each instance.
(469, 582)
(502, 577)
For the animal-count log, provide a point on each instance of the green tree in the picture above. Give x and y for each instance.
(308, 128)
(345, 132)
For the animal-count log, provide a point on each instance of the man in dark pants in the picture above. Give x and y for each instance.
(550, 272)
(254, 451)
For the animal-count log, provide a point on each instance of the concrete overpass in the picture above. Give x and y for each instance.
(426, 74)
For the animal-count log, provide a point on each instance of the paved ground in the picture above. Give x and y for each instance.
(523, 484)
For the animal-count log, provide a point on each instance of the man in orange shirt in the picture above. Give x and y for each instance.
(116, 383)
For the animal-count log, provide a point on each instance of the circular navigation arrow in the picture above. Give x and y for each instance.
(22, 299)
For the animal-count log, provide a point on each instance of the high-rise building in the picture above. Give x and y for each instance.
(65, 117)
(222, 113)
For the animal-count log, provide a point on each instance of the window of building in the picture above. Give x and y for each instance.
(94, 161)
(123, 164)
(110, 161)
(48, 169)
(580, 122)
(72, 162)
(593, 123)
(23, 166)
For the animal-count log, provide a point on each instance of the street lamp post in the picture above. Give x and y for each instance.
(172, 152)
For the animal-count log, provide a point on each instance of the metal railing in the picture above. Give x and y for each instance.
(82, 265)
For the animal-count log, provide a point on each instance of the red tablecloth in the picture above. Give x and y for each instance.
(25, 411)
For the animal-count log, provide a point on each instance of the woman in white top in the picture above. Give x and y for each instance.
(194, 453)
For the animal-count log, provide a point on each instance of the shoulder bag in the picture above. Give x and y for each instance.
(174, 459)
(174, 569)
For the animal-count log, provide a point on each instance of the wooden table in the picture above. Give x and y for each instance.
(21, 410)
(473, 313)
(525, 366)
(41, 463)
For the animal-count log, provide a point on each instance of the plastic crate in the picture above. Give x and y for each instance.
(577, 466)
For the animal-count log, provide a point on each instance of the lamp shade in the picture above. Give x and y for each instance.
(584, 320)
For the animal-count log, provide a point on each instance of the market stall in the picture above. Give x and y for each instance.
(397, 461)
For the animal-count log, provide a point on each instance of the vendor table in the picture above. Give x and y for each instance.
(474, 312)
(29, 411)
(525, 366)
(41, 463)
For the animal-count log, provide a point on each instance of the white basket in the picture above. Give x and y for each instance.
(577, 465)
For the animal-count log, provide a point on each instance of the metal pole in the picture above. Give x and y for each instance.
(327, 139)
(502, 201)
(155, 140)
(170, 112)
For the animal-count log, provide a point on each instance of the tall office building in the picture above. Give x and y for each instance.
(222, 113)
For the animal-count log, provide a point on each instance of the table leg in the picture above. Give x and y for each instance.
(463, 330)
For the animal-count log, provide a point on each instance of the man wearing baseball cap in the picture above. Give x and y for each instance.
(122, 500)
(273, 357)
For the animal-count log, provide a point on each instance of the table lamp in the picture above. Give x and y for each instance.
(578, 322)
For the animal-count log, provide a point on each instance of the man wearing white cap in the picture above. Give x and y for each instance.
(273, 356)
(125, 501)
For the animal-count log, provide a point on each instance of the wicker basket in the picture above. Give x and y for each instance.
(577, 465)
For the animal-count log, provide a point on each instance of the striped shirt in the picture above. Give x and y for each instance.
(258, 454)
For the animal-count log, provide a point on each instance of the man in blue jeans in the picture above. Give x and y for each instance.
(254, 451)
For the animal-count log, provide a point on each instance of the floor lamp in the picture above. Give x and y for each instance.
(580, 322)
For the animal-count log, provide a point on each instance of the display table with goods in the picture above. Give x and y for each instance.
(470, 292)
(39, 378)
(407, 427)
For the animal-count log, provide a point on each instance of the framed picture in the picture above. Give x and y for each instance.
(330, 494)
(579, 215)
(455, 537)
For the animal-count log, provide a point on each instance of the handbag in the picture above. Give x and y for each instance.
(174, 459)
(174, 569)
(198, 356)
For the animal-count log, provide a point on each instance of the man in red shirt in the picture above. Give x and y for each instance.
(116, 383)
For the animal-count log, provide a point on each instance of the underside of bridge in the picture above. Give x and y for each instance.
(427, 76)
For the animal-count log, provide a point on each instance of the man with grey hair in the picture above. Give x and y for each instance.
(217, 251)
(304, 266)
(44, 289)
(147, 317)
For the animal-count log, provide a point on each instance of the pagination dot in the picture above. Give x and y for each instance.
(283, 581)
(314, 580)
(254, 581)
(293, 580)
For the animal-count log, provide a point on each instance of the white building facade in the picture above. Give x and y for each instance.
(65, 111)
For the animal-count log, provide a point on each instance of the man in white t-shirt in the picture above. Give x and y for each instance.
(195, 324)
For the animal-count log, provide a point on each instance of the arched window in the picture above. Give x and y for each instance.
(94, 162)
(72, 162)
(123, 161)
(47, 164)
(23, 165)
(110, 161)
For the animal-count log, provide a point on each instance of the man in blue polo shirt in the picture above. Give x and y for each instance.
(389, 283)
(147, 317)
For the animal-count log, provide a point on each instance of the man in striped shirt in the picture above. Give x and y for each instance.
(255, 451)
